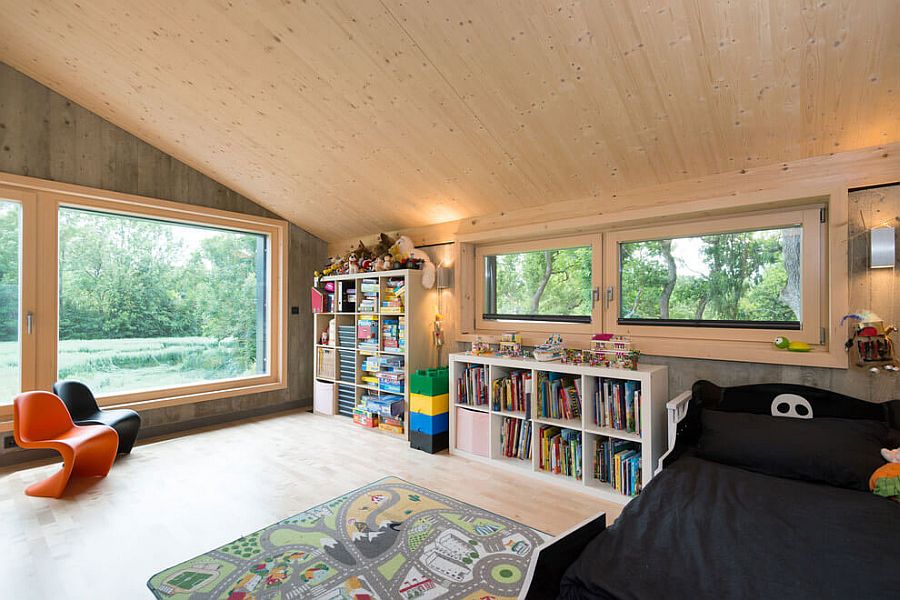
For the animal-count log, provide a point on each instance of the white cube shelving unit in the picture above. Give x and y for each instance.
(653, 381)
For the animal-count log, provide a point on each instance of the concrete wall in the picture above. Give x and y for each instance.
(42, 134)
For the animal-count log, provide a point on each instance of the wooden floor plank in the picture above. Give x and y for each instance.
(177, 497)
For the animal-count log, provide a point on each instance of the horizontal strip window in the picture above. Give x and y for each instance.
(789, 325)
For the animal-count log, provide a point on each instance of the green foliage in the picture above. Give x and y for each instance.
(743, 277)
(9, 271)
(551, 282)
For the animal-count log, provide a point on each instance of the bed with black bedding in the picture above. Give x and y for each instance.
(764, 495)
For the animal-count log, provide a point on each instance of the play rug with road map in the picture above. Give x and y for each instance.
(390, 539)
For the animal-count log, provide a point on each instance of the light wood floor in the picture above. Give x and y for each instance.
(178, 497)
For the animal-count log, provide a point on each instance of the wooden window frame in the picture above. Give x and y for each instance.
(594, 241)
(42, 200)
(813, 275)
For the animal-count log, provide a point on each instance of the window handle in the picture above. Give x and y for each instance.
(595, 296)
(609, 296)
(29, 322)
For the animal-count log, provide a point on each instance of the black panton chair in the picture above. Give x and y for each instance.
(82, 405)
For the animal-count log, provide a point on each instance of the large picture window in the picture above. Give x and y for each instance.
(747, 277)
(145, 304)
(144, 300)
(735, 279)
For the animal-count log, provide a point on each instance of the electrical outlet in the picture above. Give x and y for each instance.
(9, 442)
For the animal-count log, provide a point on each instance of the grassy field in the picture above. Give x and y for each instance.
(132, 364)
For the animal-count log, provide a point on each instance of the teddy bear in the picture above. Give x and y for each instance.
(404, 251)
(892, 456)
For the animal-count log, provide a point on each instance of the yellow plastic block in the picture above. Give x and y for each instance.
(429, 405)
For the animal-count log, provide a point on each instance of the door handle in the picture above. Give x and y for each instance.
(29, 322)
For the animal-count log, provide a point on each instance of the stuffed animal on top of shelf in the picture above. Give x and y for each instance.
(403, 251)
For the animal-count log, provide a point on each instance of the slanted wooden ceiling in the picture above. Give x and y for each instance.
(354, 116)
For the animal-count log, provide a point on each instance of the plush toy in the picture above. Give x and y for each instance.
(892, 456)
(786, 344)
(404, 250)
(885, 481)
(352, 264)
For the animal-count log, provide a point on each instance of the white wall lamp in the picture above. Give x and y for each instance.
(881, 250)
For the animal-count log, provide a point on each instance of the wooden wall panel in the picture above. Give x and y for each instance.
(45, 135)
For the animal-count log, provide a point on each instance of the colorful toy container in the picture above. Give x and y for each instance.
(429, 418)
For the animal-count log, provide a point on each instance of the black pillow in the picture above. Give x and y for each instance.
(839, 452)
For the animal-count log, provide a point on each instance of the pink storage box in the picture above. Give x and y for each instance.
(473, 432)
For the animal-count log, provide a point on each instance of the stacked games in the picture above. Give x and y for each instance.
(392, 298)
(560, 451)
(368, 296)
(367, 332)
(429, 421)
(390, 335)
(618, 463)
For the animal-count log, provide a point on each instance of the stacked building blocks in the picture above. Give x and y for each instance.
(429, 418)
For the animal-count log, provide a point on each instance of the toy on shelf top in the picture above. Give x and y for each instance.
(480, 348)
(387, 254)
(511, 345)
(552, 349)
(607, 350)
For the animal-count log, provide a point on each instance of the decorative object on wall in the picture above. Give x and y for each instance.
(388, 539)
(870, 342)
(881, 249)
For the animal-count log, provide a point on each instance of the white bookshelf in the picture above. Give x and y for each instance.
(653, 382)
(419, 353)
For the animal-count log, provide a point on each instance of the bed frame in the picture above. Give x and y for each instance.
(550, 560)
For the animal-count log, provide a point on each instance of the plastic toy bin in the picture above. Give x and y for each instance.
(473, 431)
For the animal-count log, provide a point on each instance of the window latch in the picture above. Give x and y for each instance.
(595, 296)
(29, 322)
(609, 296)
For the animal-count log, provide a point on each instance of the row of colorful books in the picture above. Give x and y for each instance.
(392, 298)
(471, 386)
(559, 397)
(560, 451)
(617, 405)
(513, 392)
(515, 438)
(618, 463)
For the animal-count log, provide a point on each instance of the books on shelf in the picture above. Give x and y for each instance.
(618, 463)
(513, 392)
(560, 451)
(471, 387)
(558, 396)
(367, 332)
(392, 298)
(367, 296)
(617, 405)
(515, 438)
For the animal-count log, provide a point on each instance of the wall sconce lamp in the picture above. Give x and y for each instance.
(444, 277)
(881, 250)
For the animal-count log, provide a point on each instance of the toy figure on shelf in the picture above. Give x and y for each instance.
(480, 347)
(510, 345)
(870, 342)
(552, 349)
(615, 351)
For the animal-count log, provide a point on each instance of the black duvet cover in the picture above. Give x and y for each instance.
(707, 530)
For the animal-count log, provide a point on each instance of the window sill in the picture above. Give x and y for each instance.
(6, 423)
(728, 350)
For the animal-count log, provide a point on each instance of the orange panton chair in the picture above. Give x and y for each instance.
(40, 420)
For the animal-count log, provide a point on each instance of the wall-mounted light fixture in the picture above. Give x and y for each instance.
(881, 251)
(444, 277)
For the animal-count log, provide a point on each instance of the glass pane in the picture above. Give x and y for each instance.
(151, 304)
(750, 277)
(542, 284)
(10, 234)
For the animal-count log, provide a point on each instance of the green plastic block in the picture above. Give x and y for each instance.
(430, 382)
